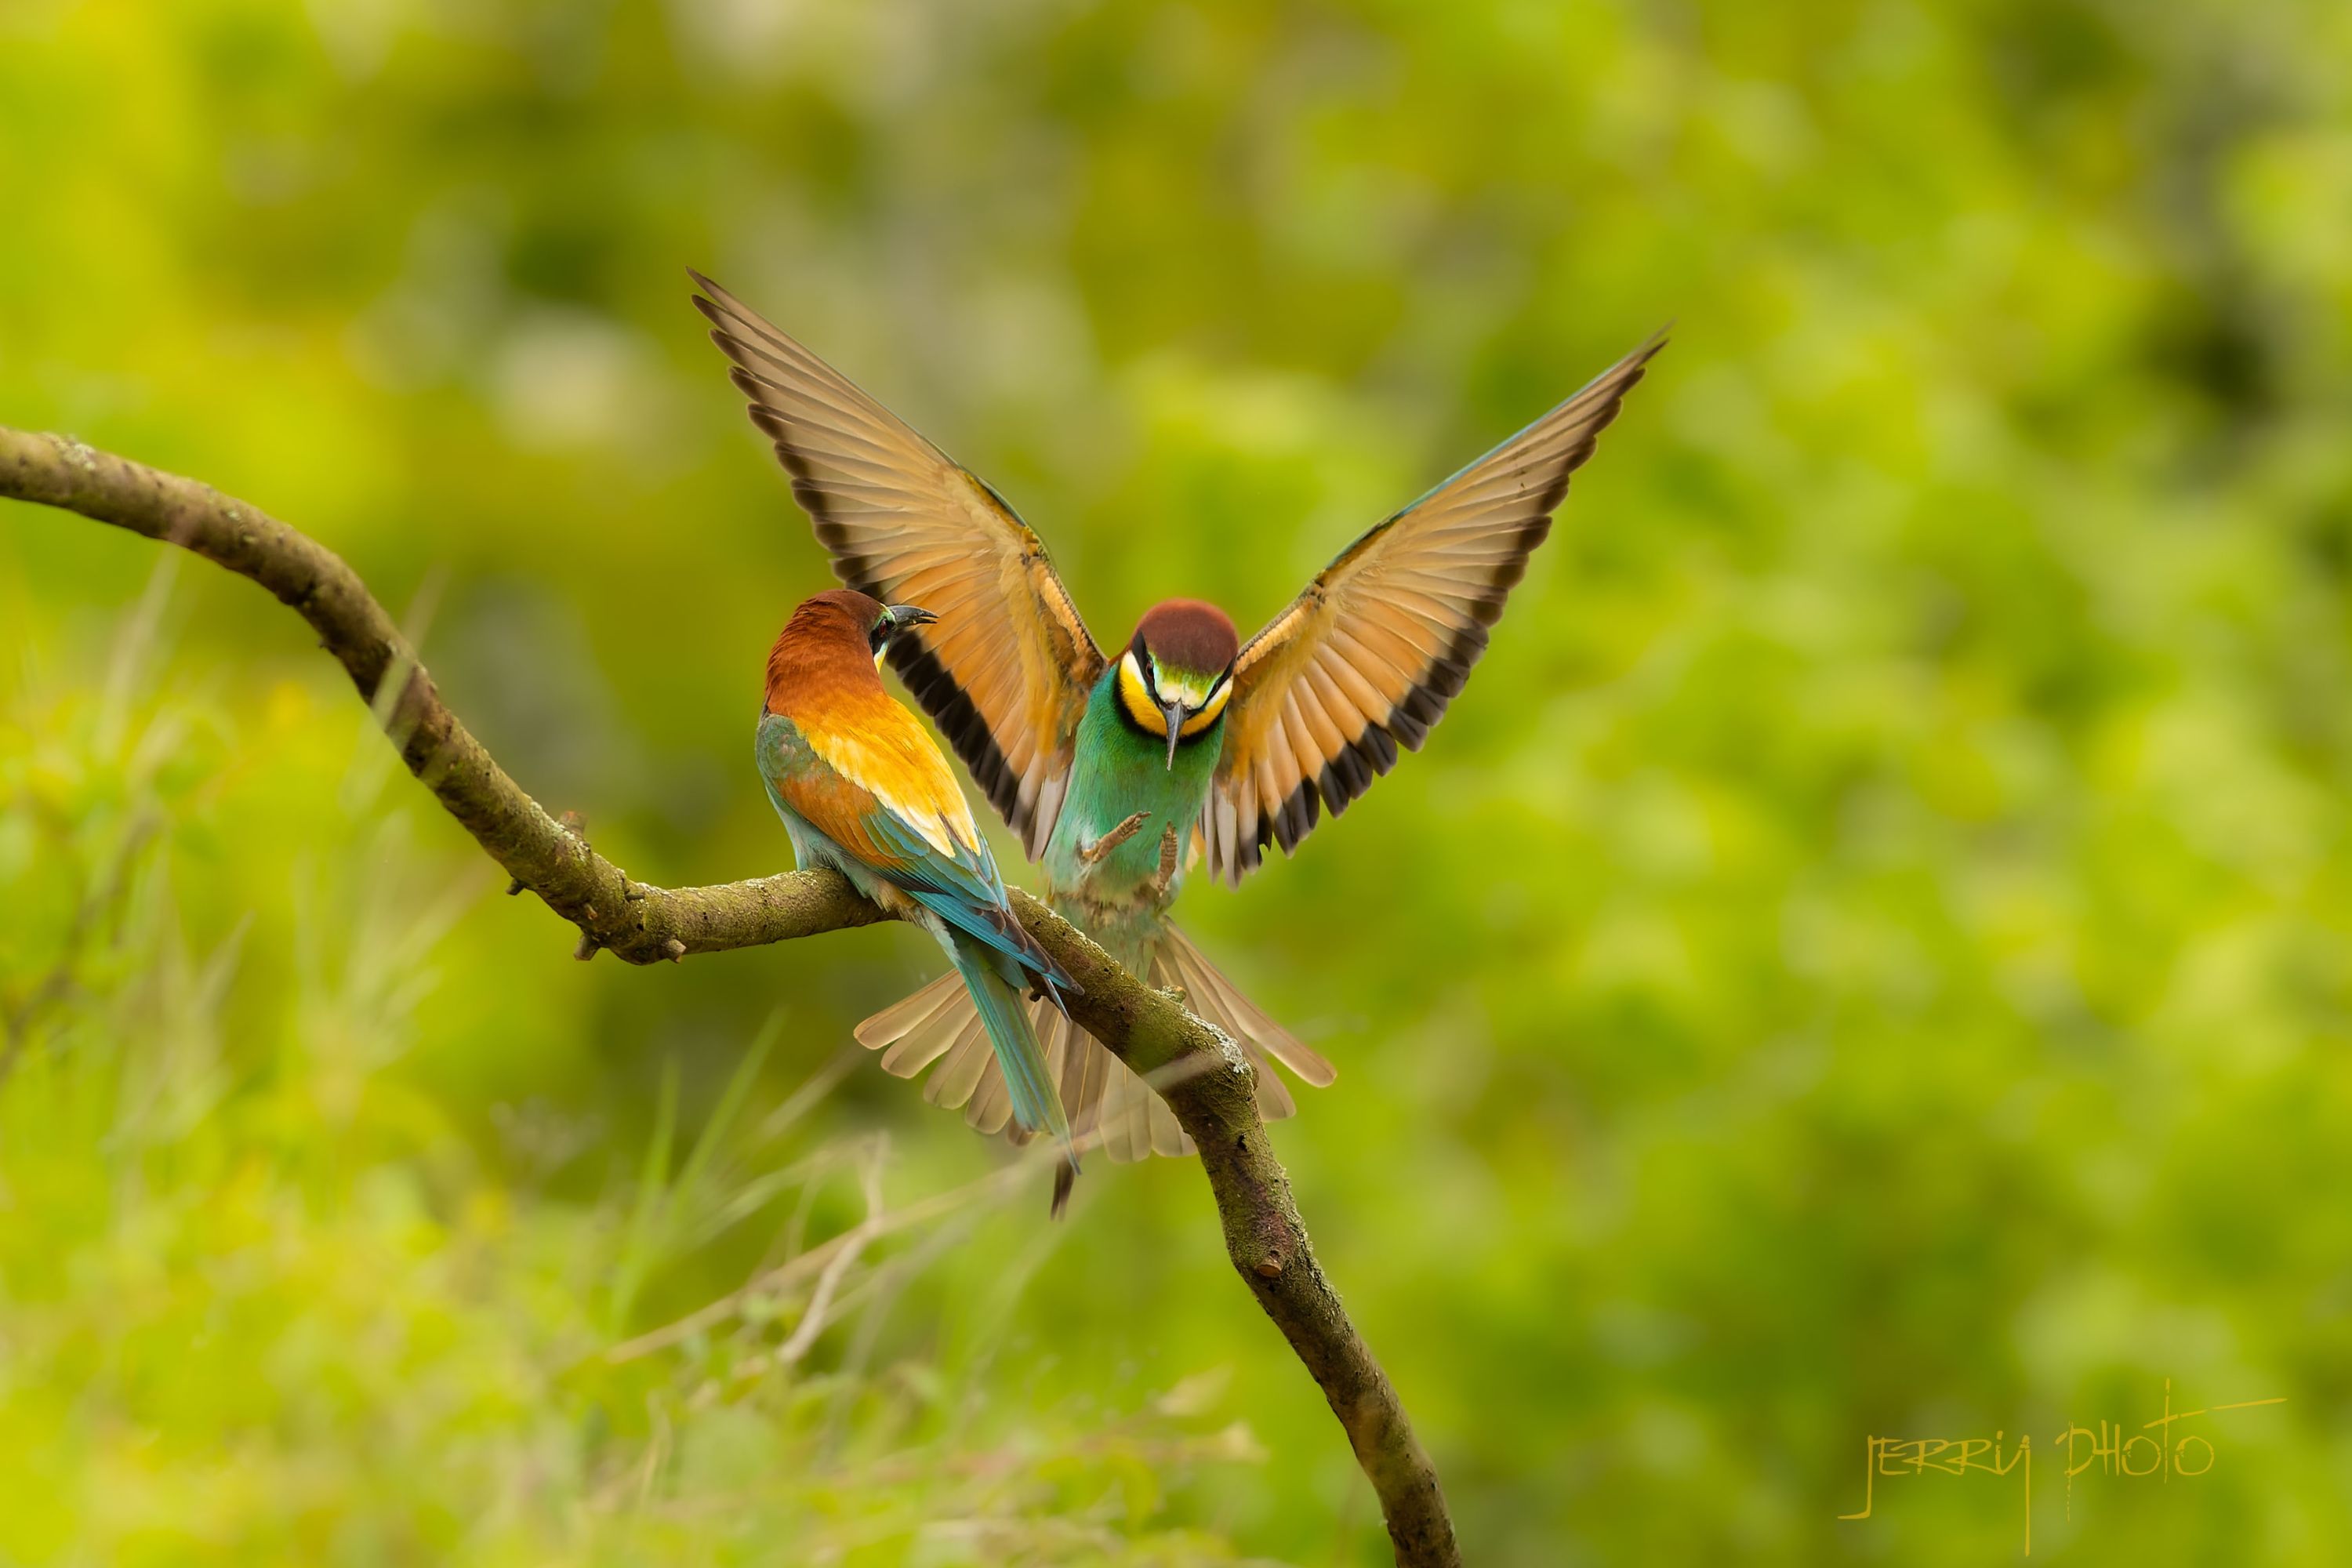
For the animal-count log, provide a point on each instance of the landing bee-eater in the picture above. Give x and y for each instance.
(862, 788)
(1219, 748)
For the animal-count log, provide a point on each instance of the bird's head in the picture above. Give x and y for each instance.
(840, 626)
(1178, 671)
(846, 616)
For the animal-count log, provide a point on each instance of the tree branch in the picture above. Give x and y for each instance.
(1206, 1080)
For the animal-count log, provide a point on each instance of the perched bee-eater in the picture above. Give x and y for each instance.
(862, 788)
(1219, 748)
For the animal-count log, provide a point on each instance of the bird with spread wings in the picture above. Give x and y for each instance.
(1186, 748)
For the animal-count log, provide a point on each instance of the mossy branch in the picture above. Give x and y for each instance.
(1207, 1081)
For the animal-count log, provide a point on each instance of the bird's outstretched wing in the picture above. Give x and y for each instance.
(1366, 659)
(1006, 672)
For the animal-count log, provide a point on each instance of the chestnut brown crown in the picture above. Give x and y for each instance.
(1188, 635)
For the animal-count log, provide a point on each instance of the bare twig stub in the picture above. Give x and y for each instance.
(1207, 1081)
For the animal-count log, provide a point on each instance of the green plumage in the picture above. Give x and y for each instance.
(1117, 770)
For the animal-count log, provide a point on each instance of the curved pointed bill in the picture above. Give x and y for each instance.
(1175, 711)
(897, 619)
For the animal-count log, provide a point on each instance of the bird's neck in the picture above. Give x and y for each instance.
(805, 669)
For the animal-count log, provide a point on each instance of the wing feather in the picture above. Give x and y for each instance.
(874, 785)
(1005, 670)
(1366, 659)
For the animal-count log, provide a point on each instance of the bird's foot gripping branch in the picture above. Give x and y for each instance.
(1208, 1082)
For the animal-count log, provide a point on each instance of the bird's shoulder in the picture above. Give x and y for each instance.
(876, 744)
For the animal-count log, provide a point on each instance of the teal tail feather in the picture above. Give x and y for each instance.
(1004, 1014)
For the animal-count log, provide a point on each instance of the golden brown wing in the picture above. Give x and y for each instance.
(1006, 672)
(1366, 659)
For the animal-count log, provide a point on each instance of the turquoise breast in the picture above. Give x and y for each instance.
(1118, 769)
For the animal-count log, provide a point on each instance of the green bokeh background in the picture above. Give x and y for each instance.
(1871, 952)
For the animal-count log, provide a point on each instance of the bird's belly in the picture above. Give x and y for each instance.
(1122, 916)
(1117, 897)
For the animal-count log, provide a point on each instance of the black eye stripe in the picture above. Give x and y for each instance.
(1151, 675)
(1125, 707)
(1143, 664)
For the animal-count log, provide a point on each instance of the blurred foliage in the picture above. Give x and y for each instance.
(266, 1302)
(1866, 955)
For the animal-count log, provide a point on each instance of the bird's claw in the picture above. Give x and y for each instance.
(1093, 853)
(1169, 855)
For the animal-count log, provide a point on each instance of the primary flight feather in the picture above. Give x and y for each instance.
(1221, 748)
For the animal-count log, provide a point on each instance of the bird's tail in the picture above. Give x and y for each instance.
(1176, 961)
(1003, 1017)
(940, 1023)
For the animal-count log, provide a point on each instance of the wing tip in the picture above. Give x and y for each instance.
(717, 306)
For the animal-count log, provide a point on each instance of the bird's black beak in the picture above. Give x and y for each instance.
(896, 620)
(1175, 711)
